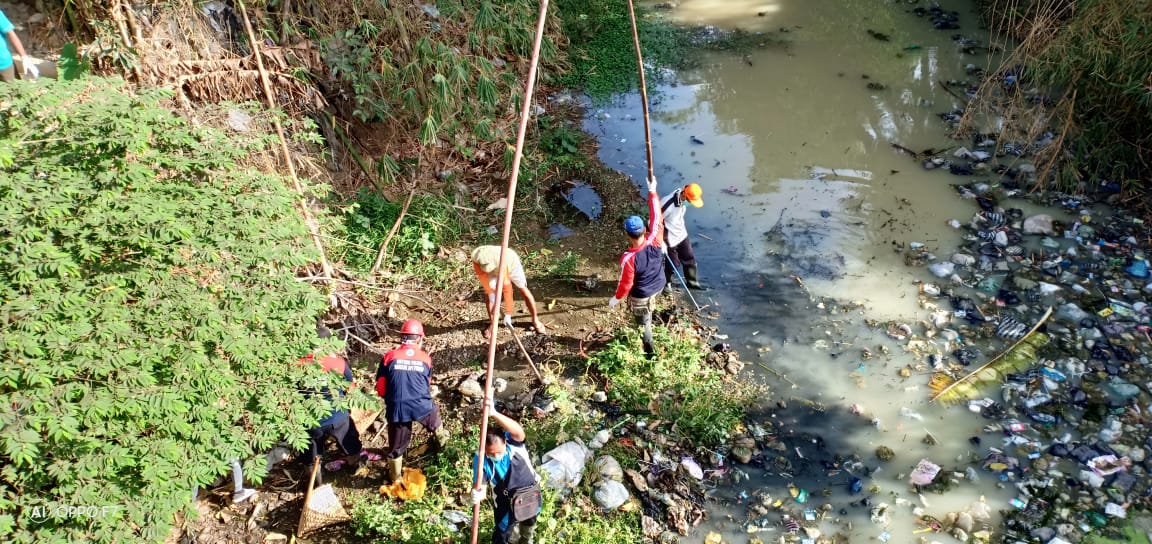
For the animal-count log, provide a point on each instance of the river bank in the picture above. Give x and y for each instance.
(825, 198)
(812, 253)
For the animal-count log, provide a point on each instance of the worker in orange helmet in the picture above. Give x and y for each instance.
(676, 239)
(404, 379)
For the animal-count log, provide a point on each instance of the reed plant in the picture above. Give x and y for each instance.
(1090, 64)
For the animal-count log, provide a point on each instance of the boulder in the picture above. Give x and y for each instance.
(963, 259)
(1023, 283)
(609, 468)
(471, 389)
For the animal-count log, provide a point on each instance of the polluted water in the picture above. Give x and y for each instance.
(828, 180)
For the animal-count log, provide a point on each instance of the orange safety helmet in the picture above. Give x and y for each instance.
(412, 326)
(694, 194)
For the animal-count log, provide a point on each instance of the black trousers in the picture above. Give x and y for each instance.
(342, 430)
(681, 255)
(400, 432)
(502, 533)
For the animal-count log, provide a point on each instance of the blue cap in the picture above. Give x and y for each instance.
(634, 225)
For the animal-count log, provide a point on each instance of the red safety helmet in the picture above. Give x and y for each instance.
(412, 326)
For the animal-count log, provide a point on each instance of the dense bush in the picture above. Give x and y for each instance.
(430, 224)
(701, 400)
(150, 315)
(437, 71)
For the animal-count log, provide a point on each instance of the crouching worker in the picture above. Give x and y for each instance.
(515, 483)
(338, 424)
(485, 259)
(404, 379)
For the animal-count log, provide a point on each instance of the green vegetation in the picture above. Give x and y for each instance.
(555, 151)
(449, 480)
(151, 312)
(565, 265)
(431, 223)
(1095, 54)
(449, 474)
(579, 521)
(602, 53)
(679, 386)
(1126, 533)
(440, 76)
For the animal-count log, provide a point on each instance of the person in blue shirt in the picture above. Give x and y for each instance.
(10, 43)
(507, 467)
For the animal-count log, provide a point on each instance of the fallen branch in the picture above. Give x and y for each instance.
(969, 377)
(391, 233)
(950, 91)
(775, 373)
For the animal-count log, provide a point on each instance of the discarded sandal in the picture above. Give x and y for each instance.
(335, 466)
(369, 456)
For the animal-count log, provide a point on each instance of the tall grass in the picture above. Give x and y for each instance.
(1094, 57)
(439, 74)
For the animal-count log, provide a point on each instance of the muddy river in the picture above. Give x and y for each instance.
(792, 146)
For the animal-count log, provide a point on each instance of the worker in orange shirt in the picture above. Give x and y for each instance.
(485, 259)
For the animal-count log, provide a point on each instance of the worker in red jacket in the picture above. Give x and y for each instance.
(642, 266)
(404, 379)
(338, 423)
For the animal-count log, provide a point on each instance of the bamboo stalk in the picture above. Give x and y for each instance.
(643, 92)
(969, 376)
(309, 219)
(527, 357)
(494, 315)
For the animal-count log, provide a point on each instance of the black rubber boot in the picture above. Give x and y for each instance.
(691, 278)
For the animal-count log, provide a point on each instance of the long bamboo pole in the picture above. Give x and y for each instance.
(494, 324)
(301, 200)
(643, 91)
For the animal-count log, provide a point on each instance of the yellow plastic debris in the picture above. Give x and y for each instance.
(410, 487)
(714, 538)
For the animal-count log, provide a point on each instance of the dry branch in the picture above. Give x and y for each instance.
(391, 233)
(309, 219)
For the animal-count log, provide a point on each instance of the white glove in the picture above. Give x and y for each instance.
(508, 320)
(30, 68)
(478, 495)
(612, 302)
(652, 184)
